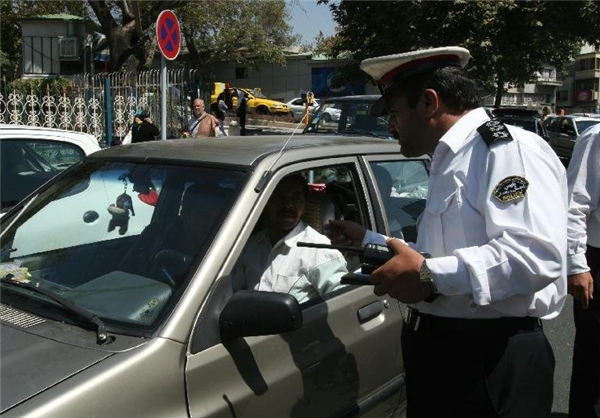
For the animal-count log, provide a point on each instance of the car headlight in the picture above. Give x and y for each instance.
(277, 106)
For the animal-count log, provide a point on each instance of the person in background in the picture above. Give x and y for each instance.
(142, 128)
(242, 111)
(545, 113)
(489, 261)
(202, 124)
(272, 261)
(222, 110)
(583, 269)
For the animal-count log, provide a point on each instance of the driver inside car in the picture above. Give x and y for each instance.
(271, 260)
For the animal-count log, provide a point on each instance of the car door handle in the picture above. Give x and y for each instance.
(372, 310)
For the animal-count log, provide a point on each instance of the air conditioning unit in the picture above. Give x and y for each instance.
(68, 48)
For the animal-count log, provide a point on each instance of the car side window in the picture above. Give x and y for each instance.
(27, 164)
(403, 187)
(298, 209)
(567, 127)
(553, 125)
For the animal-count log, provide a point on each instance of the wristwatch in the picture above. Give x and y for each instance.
(427, 284)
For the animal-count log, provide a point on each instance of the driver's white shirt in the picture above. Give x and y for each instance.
(303, 272)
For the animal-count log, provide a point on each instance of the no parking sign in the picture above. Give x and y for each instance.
(168, 34)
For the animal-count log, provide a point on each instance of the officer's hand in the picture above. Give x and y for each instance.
(399, 277)
(581, 287)
(347, 233)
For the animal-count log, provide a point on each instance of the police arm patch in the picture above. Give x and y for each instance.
(511, 188)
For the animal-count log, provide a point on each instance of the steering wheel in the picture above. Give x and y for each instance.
(171, 266)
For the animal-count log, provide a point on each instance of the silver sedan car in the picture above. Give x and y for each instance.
(117, 295)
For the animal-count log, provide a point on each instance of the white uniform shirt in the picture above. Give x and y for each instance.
(303, 272)
(584, 199)
(494, 259)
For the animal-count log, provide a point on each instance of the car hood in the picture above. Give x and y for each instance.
(31, 364)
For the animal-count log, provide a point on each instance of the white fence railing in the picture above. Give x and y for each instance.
(104, 104)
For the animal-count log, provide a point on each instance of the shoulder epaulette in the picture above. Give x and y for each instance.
(494, 130)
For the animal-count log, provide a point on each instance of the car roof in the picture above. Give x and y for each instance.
(578, 118)
(358, 97)
(87, 142)
(248, 150)
(514, 112)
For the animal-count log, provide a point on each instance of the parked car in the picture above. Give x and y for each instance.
(348, 115)
(30, 156)
(298, 108)
(564, 130)
(257, 102)
(130, 313)
(523, 118)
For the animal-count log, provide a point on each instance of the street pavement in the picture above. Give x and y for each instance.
(561, 333)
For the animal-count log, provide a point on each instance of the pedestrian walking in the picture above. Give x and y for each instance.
(202, 124)
(489, 261)
(242, 111)
(583, 269)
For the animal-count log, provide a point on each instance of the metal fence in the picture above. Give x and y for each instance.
(104, 104)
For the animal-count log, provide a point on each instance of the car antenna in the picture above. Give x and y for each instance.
(267, 174)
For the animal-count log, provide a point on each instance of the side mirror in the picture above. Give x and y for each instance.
(251, 313)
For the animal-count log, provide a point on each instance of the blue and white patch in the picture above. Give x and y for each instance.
(511, 188)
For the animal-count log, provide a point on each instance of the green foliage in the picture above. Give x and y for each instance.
(235, 31)
(239, 31)
(509, 40)
(41, 86)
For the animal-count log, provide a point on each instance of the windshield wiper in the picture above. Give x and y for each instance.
(89, 317)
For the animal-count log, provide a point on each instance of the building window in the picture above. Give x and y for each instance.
(241, 72)
(589, 84)
(587, 64)
(562, 95)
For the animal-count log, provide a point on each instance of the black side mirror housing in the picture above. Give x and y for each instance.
(251, 313)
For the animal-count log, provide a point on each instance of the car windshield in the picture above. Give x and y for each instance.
(348, 117)
(256, 93)
(582, 125)
(119, 239)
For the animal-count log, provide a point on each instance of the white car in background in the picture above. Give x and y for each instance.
(298, 108)
(32, 155)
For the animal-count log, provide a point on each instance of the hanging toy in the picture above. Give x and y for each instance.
(120, 211)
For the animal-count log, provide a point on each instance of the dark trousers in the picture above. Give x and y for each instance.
(584, 397)
(477, 367)
(242, 118)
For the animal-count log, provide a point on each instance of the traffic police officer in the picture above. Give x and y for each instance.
(583, 268)
(490, 257)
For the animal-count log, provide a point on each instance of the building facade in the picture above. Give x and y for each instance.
(579, 92)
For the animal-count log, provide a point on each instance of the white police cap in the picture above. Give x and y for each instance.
(390, 71)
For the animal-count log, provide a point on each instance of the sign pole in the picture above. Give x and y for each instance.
(163, 98)
(168, 35)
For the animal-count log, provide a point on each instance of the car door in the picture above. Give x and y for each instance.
(345, 360)
(565, 140)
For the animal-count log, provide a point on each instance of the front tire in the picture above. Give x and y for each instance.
(262, 110)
